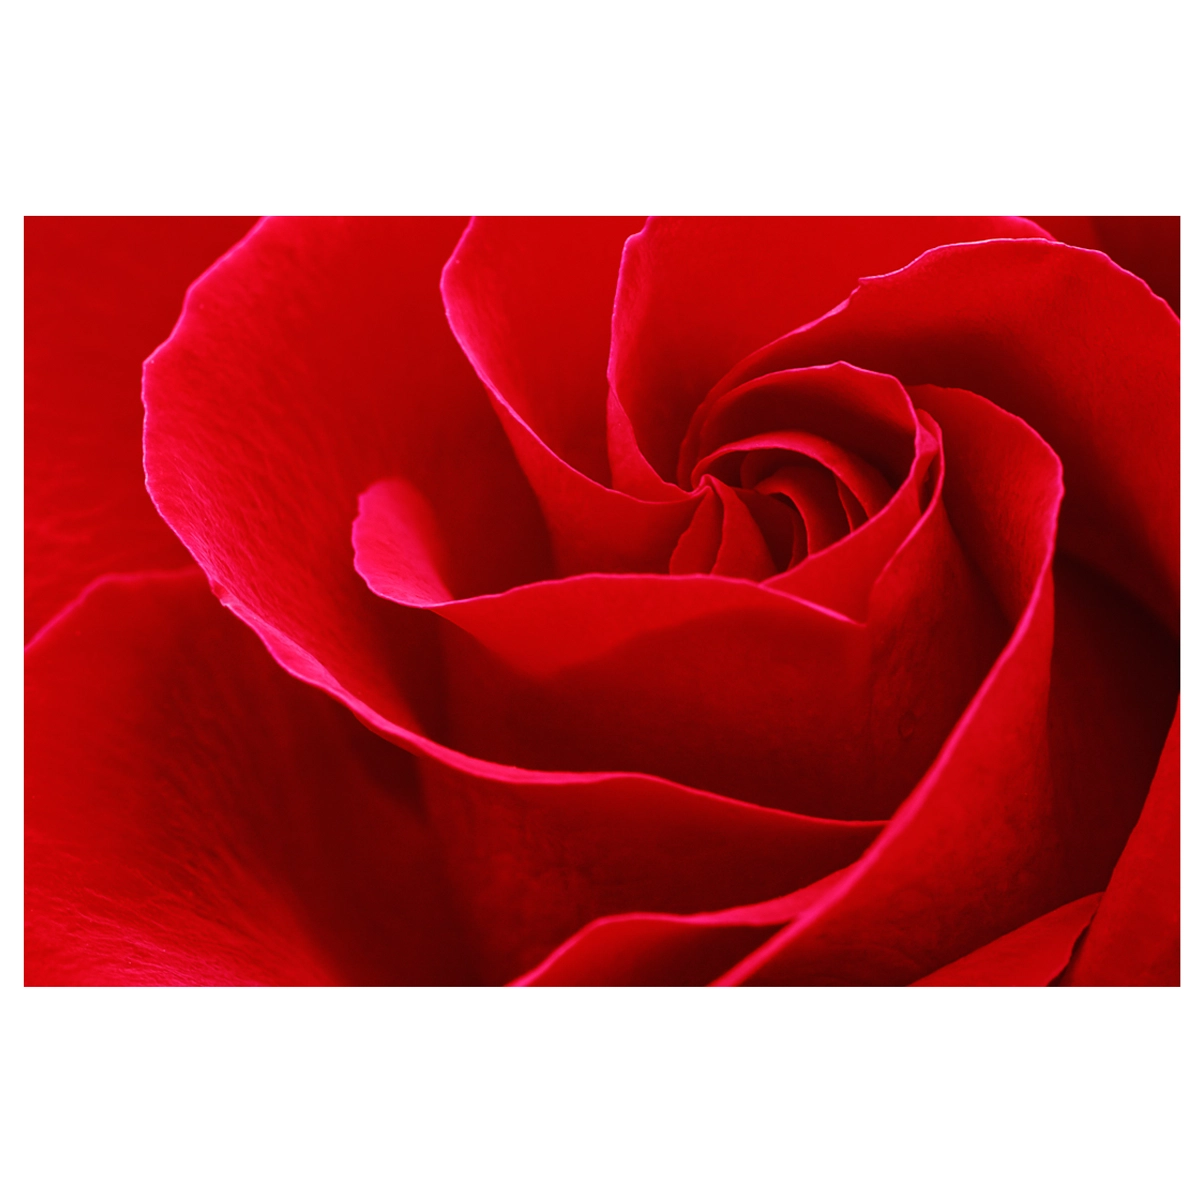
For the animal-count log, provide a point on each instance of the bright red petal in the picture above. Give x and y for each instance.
(312, 361)
(698, 293)
(530, 300)
(100, 294)
(195, 816)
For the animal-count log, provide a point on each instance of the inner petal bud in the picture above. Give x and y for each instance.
(809, 455)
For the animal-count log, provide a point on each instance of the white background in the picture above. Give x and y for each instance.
(698, 107)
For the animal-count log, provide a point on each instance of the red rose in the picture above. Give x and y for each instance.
(741, 601)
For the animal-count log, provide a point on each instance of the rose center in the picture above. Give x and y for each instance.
(838, 444)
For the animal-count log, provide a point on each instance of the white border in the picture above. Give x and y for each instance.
(616, 107)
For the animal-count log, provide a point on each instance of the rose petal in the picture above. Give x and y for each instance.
(194, 816)
(779, 697)
(779, 525)
(786, 704)
(1080, 349)
(782, 703)
(1134, 939)
(859, 477)
(864, 413)
(1146, 246)
(649, 952)
(1032, 956)
(398, 545)
(533, 862)
(814, 493)
(309, 363)
(843, 575)
(530, 301)
(696, 550)
(631, 473)
(713, 682)
(744, 553)
(591, 527)
(696, 294)
(1113, 690)
(663, 949)
(100, 294)
(1051, 834)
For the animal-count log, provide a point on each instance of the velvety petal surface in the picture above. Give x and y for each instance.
(1059, 336)
(722, 685)
(534, 860)
(195, 816)
(572, 729)
(1032, 956)
(665, 949)
(530, 300)
(1134, 939)
(100, 294)
(843, 575)
(696, 294)
(1146, 246)
(976, 849)
(1070, 775)
(310, 363)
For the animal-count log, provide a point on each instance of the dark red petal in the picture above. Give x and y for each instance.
(843, 575)
(856, 515)
(969, 855)
(698, 293)
(744, 553)
(864, 413)
(646, 952)
(591, 527)
(533, 862)
(1032, 956)
(100, 294)
(1080, 349)
(696, 550)
(814, 493)
(530, 300)
(311, 362)
(664, 949)
(1075, 231)
(631, 472)
(1069, 769)
(194, 816)
(1114, 688)
(1134, 939)
(779, 525)
(1025, 835)
(1147, 246)
(859, 477)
